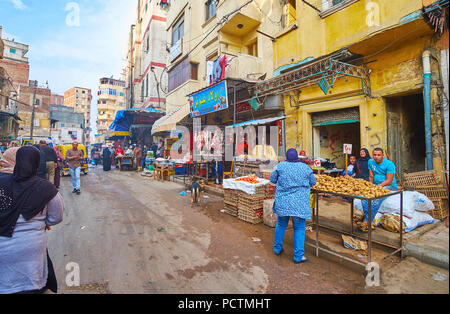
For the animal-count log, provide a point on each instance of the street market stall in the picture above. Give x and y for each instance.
(352, 189)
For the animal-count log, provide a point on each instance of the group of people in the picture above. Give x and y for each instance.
(294, 180)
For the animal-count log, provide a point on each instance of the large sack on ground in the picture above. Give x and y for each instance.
(412, 201)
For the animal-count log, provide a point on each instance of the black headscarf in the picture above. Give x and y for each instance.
(362, 165)
(23, 193)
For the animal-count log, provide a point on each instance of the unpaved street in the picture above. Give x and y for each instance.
(130, 234)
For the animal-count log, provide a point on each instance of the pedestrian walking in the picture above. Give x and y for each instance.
(8, 161)
(59, 167)
(42, 170)
(74, 157)
(51, 160)
(144, 155)
(29, 205)
(294, 180)
(138, 157)
(107, 160)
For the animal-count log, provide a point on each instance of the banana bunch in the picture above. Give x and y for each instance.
(348, 186)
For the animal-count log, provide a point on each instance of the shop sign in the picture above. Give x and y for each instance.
(212, 99)
(317, 163)
(347, 149)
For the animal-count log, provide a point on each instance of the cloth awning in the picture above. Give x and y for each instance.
(170, 120)
(125, 119)
(257, 122)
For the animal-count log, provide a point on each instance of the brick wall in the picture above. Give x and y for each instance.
(19, 72)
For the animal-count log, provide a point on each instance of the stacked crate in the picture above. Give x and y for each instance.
(430, 184)
(230, 199)
(250, 206)
(270, 189)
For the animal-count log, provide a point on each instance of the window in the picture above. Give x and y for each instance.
(181, 73)
(194, 71)
(38, 102)
(334, 5)
(146, 88)
(210, 9)
(178, 30)
(252, 49)
(121, 93)
(37, 122)
(148, 43)
(291, 12)
(12, 50)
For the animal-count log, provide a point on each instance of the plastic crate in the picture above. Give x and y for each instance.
(422, 178)
(441, 209)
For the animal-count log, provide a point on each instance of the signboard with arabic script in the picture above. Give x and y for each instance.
(209, 100)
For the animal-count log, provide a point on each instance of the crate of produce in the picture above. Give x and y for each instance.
(231, 210)
(246, 201)
(437, 191)
(441, 208)
(270, 191)
(422, 178)
(253, 217)
(230, 197)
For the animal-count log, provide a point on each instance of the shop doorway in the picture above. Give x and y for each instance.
(333, 129)
(406, 133)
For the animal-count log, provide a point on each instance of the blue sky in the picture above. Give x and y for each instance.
(66, 53)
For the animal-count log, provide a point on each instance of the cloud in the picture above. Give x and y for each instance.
(18, 4)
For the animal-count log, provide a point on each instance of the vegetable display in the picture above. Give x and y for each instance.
(250, 179)
(349, 186)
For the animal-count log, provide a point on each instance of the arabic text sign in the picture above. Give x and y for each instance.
(347, 149)
(212, 99)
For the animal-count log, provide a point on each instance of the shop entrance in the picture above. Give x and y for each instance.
(406, 133)
(333, 129)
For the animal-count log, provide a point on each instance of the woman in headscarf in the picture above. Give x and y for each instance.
(8, 161)
(294, 180)
(28, 206)
(362, 165)
(107, 159)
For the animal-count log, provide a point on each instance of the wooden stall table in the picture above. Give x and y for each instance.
(161, 173)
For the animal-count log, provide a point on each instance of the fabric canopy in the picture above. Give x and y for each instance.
(126, 118)
(170, 120)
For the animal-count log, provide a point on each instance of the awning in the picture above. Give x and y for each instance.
(126, 118)
(258, 122)
(170, 120)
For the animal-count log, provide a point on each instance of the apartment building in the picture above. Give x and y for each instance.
(80, 99)
(145, 73)
(232, 37)
(111, 98)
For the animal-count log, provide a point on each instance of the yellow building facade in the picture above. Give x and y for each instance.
(202, 30)
(352, 71)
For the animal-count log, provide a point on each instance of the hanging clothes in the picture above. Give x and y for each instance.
(209, 72)
(217, 70)
(223, 63)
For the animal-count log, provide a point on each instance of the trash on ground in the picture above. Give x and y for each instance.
(205, 196)
(183, 193)
(354, 244)
(161, 229)
(439, 277)
(83, 227)
(222, 210)
(256, 239)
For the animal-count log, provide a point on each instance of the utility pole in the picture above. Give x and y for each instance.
(32, 110)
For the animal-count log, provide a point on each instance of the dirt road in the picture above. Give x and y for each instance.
(131, 234)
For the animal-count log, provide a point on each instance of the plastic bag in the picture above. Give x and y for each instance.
(423, 203)
(391, 204)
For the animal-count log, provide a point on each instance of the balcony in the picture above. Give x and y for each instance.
(243, 66)
(248, 12)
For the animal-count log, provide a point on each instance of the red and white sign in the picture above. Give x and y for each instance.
(317, 163)
(348, 149)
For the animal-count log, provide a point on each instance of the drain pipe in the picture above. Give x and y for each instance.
(427, 107)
